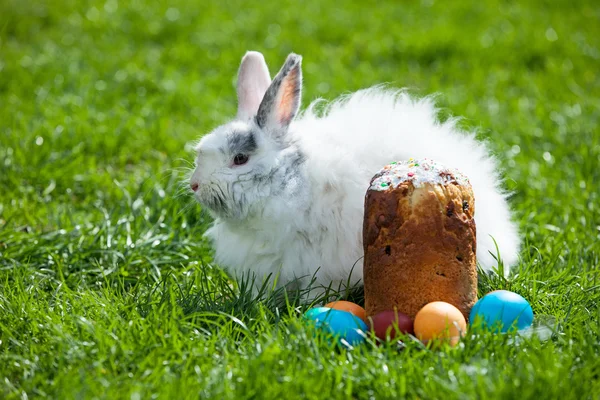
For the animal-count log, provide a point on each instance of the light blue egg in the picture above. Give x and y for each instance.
(343, 325)
(313, 312)
(503, 309)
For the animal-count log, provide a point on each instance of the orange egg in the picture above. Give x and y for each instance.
(350, 307)
(440, 320)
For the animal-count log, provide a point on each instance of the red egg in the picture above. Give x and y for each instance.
(389, 323)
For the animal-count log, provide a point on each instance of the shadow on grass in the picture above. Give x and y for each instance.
(210, 300)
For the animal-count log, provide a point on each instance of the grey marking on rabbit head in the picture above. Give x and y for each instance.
(241, 143)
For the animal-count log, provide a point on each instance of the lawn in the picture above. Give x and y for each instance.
(107, 289)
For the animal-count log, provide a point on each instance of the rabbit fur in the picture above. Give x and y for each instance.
(287, 191)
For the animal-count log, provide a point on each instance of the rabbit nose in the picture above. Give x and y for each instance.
(194, 186)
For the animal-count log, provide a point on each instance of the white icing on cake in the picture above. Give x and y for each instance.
(418, 172)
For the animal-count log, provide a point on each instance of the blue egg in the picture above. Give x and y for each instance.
(503, 309)
(343, 325)
(313, 312)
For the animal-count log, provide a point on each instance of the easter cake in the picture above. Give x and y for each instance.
(419, 238)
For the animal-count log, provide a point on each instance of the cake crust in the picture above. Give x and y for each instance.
(419, 240)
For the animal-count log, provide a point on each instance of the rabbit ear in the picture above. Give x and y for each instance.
(282, 100)
(253, 82)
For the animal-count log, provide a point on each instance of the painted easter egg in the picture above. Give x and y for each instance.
(502, 310)
(342, 324)
(440, 320)
(387, 324)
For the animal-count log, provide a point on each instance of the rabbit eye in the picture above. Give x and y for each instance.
(240, 159)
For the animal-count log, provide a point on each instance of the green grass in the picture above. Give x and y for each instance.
(107, 289)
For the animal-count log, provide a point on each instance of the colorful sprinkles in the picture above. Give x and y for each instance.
(418, 172)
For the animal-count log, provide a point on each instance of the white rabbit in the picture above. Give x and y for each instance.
(287, 193)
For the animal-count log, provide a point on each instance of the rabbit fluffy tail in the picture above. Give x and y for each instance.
(349, 140)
